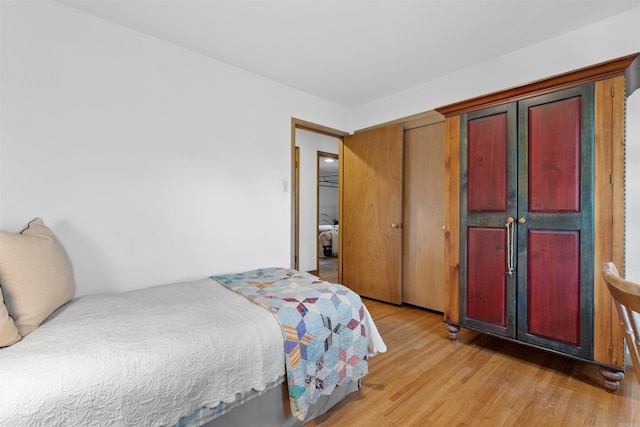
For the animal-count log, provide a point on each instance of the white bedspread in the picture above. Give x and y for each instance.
(139, 358)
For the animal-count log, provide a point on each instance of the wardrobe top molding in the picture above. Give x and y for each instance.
(628, 65)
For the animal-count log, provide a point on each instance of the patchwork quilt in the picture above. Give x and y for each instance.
(324, 326)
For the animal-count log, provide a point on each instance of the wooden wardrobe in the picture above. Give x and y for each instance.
(534, 207)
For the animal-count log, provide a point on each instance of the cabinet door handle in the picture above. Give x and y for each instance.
(522, 220)
(511, 268)
(396, 225)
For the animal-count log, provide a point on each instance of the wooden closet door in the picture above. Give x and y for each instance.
(555, 221)
(423, 260)
(371, 213)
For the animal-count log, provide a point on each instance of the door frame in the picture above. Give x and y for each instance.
(295, 176)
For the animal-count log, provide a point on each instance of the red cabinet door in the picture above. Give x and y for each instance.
(488, 199)
(555, 198)
(527, 220)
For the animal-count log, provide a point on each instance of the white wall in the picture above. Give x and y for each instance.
(608, 39)
(310, 143)
(632, 193)
(151, 163)
(328, 204)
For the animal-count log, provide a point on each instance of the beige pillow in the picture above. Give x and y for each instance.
(35, 275)
(8, 332)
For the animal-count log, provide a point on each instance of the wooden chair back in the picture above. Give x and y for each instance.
(626, 297)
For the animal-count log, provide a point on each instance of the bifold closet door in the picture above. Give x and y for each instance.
(371, 213)
(423, 260)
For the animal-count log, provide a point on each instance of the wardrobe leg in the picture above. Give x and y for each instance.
(453, 331)
(612, 379)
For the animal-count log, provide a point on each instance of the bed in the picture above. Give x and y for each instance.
(270, 346)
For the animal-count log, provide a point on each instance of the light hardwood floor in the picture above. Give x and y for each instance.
(424, 379)
(328, 269)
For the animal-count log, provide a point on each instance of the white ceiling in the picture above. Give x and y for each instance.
(352, 51)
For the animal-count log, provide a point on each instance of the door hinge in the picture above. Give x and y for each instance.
(613, 91)
(611, 353)
(612, 178)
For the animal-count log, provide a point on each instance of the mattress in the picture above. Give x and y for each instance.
(140, 358)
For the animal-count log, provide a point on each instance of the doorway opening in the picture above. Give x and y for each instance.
(310, 142)
(327, 209)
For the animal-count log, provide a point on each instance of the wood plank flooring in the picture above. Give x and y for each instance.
(424, 379)
(328, 269)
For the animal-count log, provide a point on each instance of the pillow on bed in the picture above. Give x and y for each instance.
(8, 332)
(35, 275)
